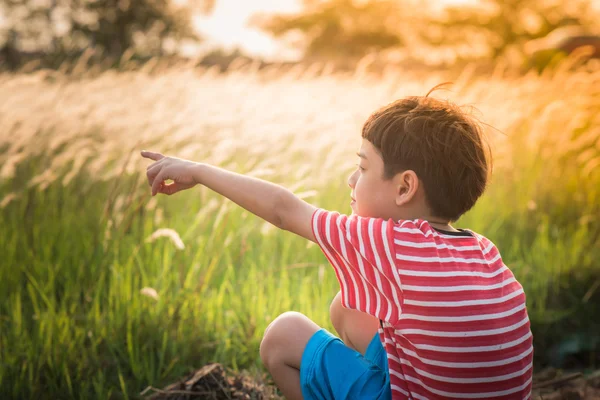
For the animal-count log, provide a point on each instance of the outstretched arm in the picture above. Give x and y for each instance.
(271, 202)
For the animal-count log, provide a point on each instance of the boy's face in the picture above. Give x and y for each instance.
(372, 195)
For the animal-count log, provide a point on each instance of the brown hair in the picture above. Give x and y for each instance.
(439, 142)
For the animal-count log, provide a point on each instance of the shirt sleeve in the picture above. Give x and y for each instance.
(361, 253)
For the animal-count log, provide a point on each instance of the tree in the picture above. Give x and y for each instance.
(340, 29)
(502, 24)
(489, 29)
(63, 28)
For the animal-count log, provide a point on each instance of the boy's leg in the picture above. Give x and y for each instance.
(355, 328)
(282, 347)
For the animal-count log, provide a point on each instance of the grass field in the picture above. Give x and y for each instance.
(83, 243)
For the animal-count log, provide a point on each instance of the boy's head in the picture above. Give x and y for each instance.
(420, 158)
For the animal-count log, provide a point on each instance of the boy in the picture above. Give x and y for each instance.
(425, 311)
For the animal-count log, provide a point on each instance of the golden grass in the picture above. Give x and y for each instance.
(205, 116)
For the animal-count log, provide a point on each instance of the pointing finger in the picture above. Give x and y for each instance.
(155, 163)
(152, 155)
(158, 181)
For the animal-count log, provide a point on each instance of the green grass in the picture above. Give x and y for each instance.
(75, 322)
(75, 255)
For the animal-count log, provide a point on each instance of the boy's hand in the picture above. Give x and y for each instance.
(273, 203)
(176, 169)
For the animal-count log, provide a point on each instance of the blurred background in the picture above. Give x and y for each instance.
(106, 291)
(400, 32)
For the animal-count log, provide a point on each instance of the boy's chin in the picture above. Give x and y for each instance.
(355, 211)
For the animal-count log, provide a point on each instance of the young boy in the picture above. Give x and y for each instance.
(425, 311)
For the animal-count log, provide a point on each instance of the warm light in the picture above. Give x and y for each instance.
(227, 26)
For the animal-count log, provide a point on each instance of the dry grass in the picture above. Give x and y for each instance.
(269, 115)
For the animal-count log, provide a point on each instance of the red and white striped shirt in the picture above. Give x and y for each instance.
(453, 317)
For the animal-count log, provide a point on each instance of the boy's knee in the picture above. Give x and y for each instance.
(285, 338)
(273, 338)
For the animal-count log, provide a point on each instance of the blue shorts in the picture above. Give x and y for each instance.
(331, 370)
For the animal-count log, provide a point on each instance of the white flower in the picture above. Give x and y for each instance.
(149, 292)
(170, 233)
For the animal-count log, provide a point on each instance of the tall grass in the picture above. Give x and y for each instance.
(78, 316)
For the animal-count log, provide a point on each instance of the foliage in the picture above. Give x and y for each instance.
(60, 28)
(341, 29)
(488, 29)
(505, 24)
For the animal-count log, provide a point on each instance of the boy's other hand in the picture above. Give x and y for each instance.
(164, 168)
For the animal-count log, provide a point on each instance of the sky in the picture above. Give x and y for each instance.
(227, 26)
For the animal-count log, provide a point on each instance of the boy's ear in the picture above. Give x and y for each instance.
(407, 185)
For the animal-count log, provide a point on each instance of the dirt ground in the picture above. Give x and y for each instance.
(213, 382)
(552, 384)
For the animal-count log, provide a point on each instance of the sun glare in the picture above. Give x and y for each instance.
(227, 25)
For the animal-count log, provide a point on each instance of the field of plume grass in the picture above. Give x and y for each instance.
(106, 290)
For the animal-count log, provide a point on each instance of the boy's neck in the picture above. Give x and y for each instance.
(442, 226)
(438, 223)
(419, 211)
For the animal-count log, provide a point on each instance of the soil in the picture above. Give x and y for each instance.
(553, 384)
(213, 382)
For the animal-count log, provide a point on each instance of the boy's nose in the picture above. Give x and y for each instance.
(352, 180)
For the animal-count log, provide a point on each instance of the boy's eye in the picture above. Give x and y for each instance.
(359, 167)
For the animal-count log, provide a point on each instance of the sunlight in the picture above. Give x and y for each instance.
(227, 26)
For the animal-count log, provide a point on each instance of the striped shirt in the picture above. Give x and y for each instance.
(453, 317)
